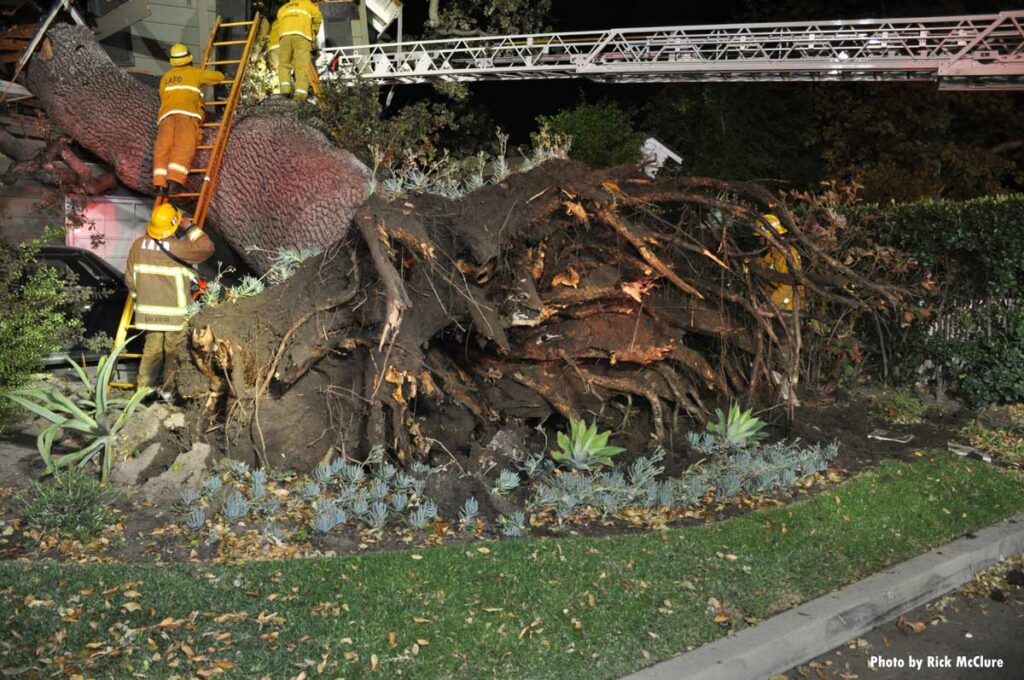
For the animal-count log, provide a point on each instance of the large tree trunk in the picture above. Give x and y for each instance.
(282, 183)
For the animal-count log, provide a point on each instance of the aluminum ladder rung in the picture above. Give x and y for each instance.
(230, 42)
(220, 63)
(236, 23)
(189, 194)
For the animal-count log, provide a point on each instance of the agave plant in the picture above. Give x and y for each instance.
(584, 448)
(94, 415)
(737, 430)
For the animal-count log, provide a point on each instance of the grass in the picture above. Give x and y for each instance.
(569, 608)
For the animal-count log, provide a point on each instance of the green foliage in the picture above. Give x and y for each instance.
(905, 141)
(92, 416)
(34, 321)
(70, 503)
(737, 429)
(497, 17)
(902, 406)
(355, 120)
(583, 448)
(602, 135)
(988, 367)
(734, 131)
(973, 328)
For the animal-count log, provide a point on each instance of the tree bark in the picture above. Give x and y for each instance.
(282, 183)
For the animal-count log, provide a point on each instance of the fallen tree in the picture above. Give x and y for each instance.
(559, 292)
(282, 183)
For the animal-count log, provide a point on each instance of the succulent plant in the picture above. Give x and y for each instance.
(235, 507)
(211, 486)
(506, 482)
(377, 517)
(469, 511)
(310, 490)
(402, 482)
(536, 466)
(430, 508)
(423, 469)
(239, 469)
(269, 506)
(419, 487)
(322, 474)
(360, 506)
(323, 522)
(419, 519)
(379, 490)
(584, 448)
(737, 429)
(513, 526)
(399, 502)
(195, 519)
(385, 472)
(352, 474)
(189, 497)
(273, 532)
(340, 516)
(258, 477)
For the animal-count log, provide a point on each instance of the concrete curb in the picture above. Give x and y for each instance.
(813, 628)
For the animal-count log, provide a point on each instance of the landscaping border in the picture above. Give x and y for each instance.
(813, 628)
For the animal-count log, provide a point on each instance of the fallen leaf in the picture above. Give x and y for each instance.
(392, 639)
(420, 619)
(131, 606)
(910, 626)
(374, 662)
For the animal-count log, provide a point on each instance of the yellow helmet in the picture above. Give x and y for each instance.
(776, 224)
(164, 221)
(180, 55)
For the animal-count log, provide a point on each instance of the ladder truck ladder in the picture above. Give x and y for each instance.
(224, 35)
(983, 51)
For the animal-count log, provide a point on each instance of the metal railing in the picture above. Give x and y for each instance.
(982, 50)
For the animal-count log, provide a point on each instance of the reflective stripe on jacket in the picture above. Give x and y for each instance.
(300, 17)
(181, 91)
(159, 284)
(782, 293)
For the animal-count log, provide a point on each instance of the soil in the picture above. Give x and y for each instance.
(148, 533)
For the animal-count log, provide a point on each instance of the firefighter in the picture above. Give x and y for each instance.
(159, 271)
(273, 43)
(782, 293)
(179, 121)
(300, 22)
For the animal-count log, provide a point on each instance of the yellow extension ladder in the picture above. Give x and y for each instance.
(224, 34)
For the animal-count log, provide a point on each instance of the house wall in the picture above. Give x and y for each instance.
(169, 22)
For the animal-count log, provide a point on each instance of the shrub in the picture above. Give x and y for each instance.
(71, 503)
(34, 320)
(93, 416)
(602, 134)
(902, 406)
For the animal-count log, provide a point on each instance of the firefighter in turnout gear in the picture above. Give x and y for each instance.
(782, 293)
(179, 122)
(159, 271)
(270, 38)
(299, 23)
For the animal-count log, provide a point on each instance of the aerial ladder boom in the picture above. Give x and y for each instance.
(960, 52)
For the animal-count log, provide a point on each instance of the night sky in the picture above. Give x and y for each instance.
(515, 105)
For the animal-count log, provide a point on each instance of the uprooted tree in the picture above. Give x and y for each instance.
(559, 292)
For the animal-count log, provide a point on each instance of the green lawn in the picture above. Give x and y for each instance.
(570, 608)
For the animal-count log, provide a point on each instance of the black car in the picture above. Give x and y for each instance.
(102, 314)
